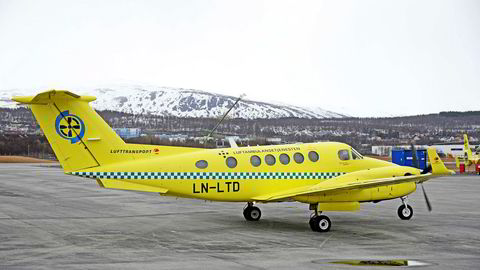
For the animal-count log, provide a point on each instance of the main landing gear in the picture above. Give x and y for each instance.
(251, 213)
(319, 223)
(405, 211)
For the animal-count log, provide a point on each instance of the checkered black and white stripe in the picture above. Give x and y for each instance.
(208, 175)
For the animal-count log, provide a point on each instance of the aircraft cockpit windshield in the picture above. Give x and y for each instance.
(356, 154)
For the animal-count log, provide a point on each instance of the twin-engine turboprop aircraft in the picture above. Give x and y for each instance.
(328, 176)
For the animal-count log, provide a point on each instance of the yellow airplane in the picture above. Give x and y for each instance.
(328, 176)
(470, 158)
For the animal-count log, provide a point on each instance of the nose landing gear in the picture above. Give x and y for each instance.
(405, 211)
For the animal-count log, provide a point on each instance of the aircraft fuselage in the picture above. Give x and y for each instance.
(232, 174)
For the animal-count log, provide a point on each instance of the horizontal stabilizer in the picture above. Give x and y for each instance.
(125, 185)
(51, 95)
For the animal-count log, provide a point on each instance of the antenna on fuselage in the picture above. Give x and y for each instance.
(223, 118)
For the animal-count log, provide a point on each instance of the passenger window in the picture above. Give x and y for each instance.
(270, 160)
(313, 156)
(201, 164)
(284, 159)
(256, 161)
(298, 157)
(231, 162)
(343, 155)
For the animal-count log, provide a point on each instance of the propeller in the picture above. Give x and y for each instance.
(427, 201)
(414, 156)
(416, 165)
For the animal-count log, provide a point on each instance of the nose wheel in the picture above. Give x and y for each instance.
(405, 211)
(252, 213)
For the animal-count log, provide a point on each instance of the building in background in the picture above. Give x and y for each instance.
(452, 150)
(127, 133)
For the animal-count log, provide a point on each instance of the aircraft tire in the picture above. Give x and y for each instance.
(312, 224)
(405, 213)
(320, 223)
(252, 213)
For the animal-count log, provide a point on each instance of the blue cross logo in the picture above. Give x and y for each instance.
(69, 126)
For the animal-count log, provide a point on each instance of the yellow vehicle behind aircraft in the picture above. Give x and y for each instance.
(469, 158)
(328, 176)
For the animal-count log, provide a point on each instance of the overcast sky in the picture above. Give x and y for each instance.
(364, 58)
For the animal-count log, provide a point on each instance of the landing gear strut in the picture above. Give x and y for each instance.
(319, 223)
(251, 213)
(405, 211)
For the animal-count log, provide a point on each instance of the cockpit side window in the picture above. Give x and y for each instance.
(356, 154)
(343, 154)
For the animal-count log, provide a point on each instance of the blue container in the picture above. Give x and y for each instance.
(404, 157)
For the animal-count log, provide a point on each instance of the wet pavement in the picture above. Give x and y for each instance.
(49, 220)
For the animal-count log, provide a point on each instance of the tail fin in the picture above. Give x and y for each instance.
(466, 147)
(438, 167)
(79, 137)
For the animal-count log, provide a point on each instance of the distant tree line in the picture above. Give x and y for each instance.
(25, 145)
(460, 114)
(358, 132)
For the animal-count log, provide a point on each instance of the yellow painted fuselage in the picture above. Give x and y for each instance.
(178, 175)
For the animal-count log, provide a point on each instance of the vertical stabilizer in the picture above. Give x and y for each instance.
(438, 167)
(79, 137)
(466, 147)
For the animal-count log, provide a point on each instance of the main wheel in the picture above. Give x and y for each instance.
(252, 213)
(320, 223)
(312, 224)
(405, 213)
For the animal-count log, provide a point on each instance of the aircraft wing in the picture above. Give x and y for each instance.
(354, 180)
(346, 183)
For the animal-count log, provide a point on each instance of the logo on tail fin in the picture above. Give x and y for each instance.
(69, 126)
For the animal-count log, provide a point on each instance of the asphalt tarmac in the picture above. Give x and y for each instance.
(49, 220)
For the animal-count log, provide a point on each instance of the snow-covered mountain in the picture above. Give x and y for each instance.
(179, 102)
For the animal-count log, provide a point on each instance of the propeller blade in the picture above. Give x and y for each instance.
(427, 201)
(414, 156)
